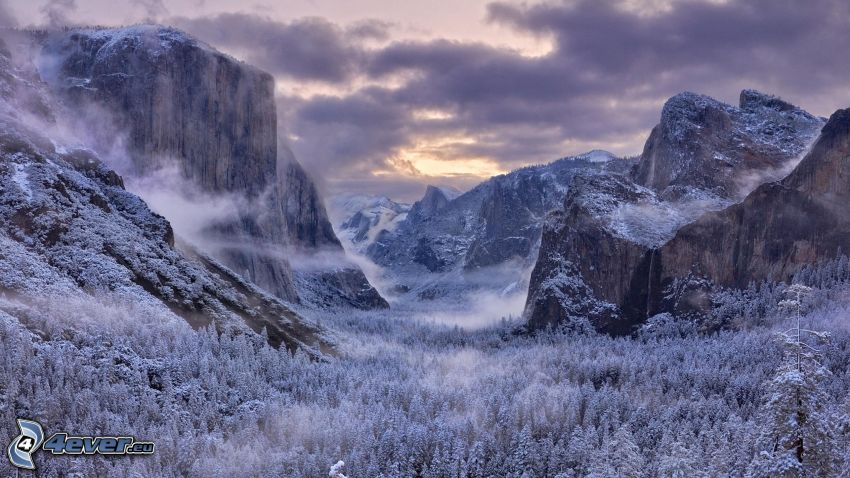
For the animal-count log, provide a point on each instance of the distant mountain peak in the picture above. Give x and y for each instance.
(435, 198)
(361, 218)
(448, 192)
(596, 156)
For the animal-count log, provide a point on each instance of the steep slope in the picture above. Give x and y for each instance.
(485, 240)
(597, 257)
(68, 228)
(779, 227)
(173, 100)
(496, 221)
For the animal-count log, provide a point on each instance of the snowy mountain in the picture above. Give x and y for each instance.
(777, 229)
(721, 149)
(599, 257)
(153, 99)
(448, 243)
(361, 218)
(69, 231)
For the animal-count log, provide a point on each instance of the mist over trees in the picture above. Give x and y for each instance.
(406, 398)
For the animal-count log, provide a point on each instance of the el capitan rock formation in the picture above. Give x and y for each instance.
(70, 231)
(182, 103)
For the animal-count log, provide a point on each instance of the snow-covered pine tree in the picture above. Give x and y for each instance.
(619, 457)
(524, 456)
(797, 437)
(336, 470)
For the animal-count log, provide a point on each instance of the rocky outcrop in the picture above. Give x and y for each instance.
(306, 220)
(497, 223)
(432, 202)
(588, 253)
(606, 247)
(779, 228)
(180, 102)
(174, 98)
(510, 218)
(69, 229)
(704, 144)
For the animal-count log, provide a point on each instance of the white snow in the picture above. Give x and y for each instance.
(336, 470)
(597, 156)
(21, 179)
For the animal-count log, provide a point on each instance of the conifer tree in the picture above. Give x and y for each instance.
(797, 434)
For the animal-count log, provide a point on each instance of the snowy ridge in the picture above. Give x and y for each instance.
(494, 224)
(68, 223)
(702, 157)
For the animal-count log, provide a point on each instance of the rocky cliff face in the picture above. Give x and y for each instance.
(69, 229)
(704, 144)
(498, 222)
(603, 249)
(182, 103)
(432, 202)
(176, 99)
(780, 227)
(306, 220)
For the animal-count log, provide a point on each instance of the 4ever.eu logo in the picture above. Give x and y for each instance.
(31, 439)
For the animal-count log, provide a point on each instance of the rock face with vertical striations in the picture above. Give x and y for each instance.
(306, 220)
(599, 257)
(181, 103)
(176, 98)
(780, 227)
(69, 231)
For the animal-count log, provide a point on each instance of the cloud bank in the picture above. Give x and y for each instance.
(370, 109)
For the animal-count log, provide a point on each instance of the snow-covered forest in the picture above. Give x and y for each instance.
(405, 398)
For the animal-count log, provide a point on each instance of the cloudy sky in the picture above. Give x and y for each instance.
(384, 96)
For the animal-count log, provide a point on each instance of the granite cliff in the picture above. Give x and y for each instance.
(175, 101)
(599, 256)
(778, 228)
(70, 231)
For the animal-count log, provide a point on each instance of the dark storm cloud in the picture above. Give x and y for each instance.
(602, 84)
(752, 38)
(305, 49)
(355, 133)
(369, 29)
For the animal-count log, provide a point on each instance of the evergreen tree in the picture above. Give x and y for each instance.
(797, 434)
(677, 461)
